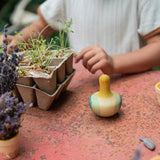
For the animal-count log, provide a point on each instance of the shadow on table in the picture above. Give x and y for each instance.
(60, 102)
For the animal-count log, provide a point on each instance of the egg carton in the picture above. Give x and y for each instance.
(29, 87)
(36, 96)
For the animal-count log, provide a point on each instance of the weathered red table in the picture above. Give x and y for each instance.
(71, 131)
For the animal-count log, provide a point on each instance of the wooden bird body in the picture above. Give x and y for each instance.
(105, 103)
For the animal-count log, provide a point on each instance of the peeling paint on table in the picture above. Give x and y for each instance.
(71, 131)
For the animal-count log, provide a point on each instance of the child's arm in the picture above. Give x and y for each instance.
(38, 26)
(140, 60)
(95, 58)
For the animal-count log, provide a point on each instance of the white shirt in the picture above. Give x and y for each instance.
(116, 25)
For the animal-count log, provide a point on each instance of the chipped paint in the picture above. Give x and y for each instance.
(70, 130)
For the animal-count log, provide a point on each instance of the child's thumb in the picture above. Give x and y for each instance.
(12, 45)
(10, 38)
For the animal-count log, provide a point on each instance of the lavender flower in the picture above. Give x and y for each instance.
(8, 67)
(11, 111)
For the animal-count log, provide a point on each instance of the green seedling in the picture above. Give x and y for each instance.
(38, 52)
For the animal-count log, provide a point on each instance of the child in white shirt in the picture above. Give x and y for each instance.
(114, 36)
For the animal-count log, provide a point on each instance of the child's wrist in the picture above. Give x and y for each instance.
(115, 66)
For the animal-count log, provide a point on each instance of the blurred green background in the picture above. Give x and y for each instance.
(7, 7)
(6, 10)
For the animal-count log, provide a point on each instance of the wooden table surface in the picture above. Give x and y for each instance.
(71, 131)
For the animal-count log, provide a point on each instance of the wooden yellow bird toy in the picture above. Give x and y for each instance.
(105, 103)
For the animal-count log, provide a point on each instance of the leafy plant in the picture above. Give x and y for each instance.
(10, 108)
(38, 52)
(64, 29)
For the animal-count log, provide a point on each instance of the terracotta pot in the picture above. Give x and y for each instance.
(9, 148)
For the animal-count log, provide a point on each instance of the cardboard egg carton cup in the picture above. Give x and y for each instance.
(42, 89)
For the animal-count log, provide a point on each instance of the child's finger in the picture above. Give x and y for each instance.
(12, 44)
(81, 54)
(91, 62)
(87, 56)
(10, 38)
(95, 67)
(79, 57)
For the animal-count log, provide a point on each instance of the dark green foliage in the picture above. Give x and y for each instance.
(33, 5)
(6, 8)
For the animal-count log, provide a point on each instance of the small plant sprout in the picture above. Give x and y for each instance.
(38, 52)
(63, 39)
(64, 31)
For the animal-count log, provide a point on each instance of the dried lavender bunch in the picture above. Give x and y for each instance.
(11, 111)
(8, 66)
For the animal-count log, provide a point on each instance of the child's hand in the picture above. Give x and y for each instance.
(95, 58)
